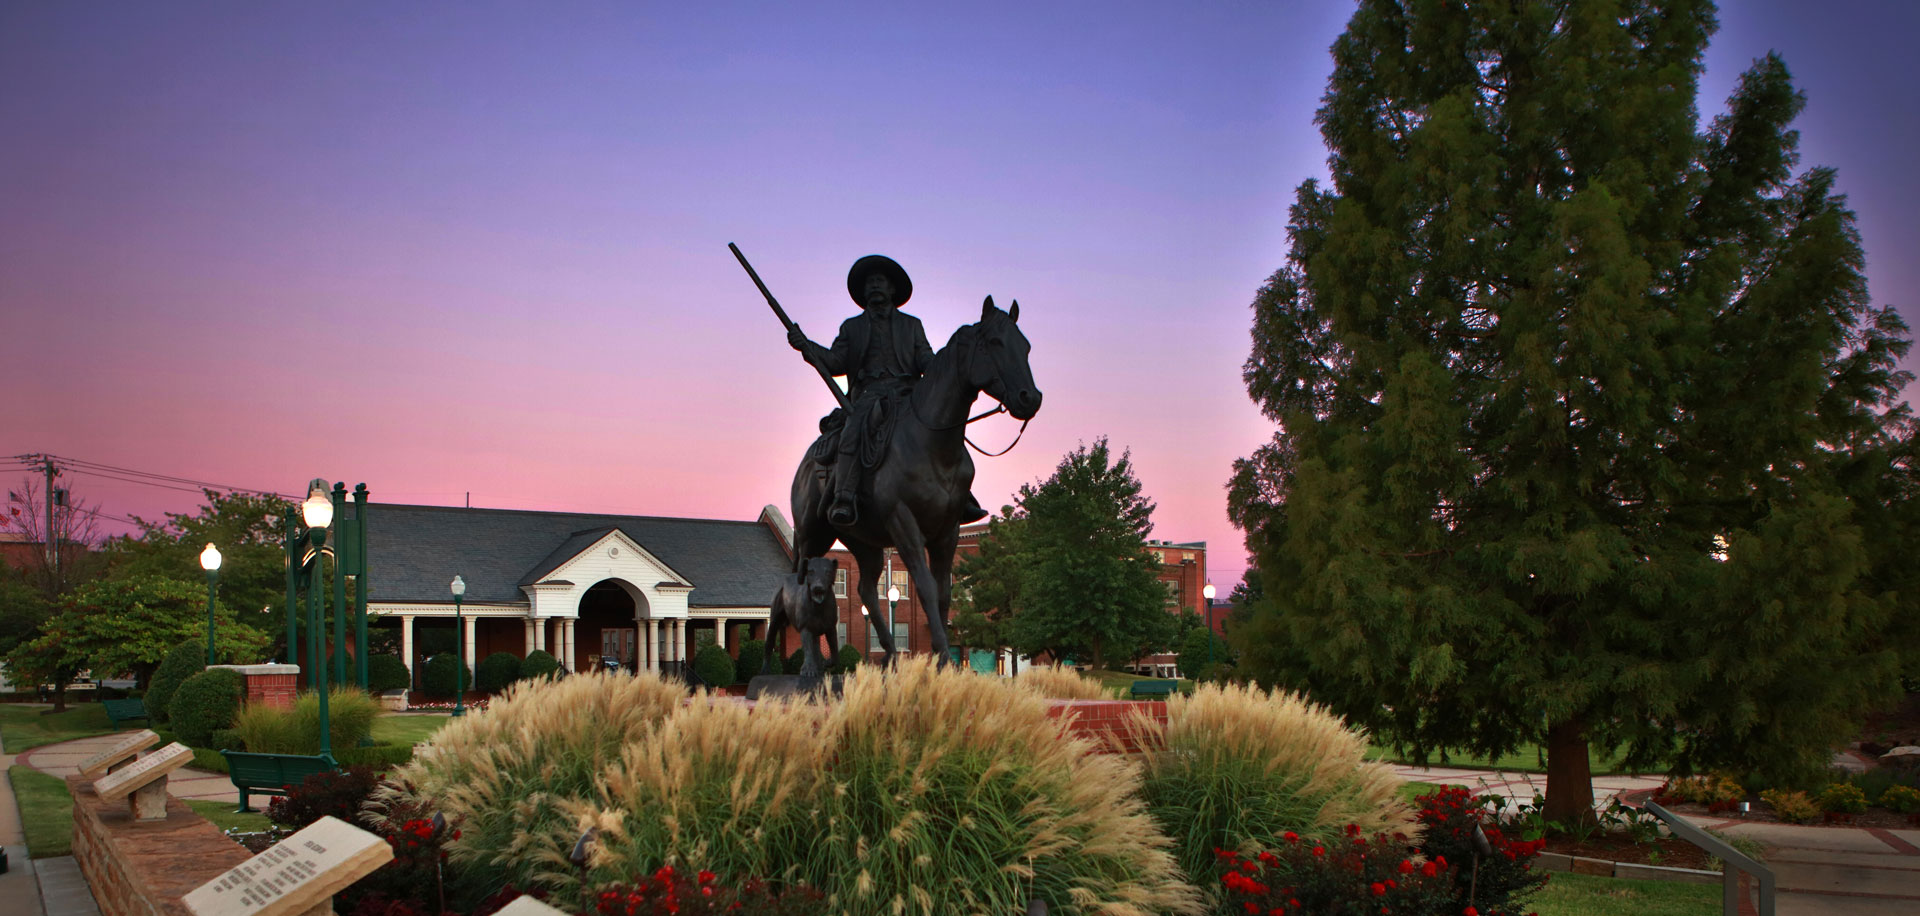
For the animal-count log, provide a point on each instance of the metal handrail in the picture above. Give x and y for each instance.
(1733, 861)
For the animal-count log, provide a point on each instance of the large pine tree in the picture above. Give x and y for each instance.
(1581, 407)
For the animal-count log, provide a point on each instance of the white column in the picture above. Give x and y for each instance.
(720, 632)
(526, 637)
(653, 645)
(406, 641)
(540, 633)
(567, 628)
(466, 638)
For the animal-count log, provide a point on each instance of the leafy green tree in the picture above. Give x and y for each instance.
(50, 657)
(127, 626)
(1194, 656)
(24, 609)
(986, 583)
(1582, 409)
(1068, 572)
(247, 529)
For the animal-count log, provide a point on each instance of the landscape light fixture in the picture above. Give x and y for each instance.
(210, 561)
(459, 589)
(318, 509)
(893, 595)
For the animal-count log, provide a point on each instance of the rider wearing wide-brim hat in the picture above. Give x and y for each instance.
(882, 351)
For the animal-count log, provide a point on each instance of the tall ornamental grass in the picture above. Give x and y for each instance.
(1061, 684)
(921, 791)
(271, 730)
(1239, 767)
(504, 774)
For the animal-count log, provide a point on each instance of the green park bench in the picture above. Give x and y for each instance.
(273, 774)
(1142, 690)
(124, 711)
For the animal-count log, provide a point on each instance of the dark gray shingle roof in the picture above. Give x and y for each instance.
(413, 552)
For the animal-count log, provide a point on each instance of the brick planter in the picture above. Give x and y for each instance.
(143, 868)
(1108, 723)
(270, 685)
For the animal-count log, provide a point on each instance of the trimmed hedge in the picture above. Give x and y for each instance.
(713, 666)
(379, 756)
(496, 672)
(795, 661)
(437, 680)
(538, 663)
(183, 661)
(205, 703)
(848, 659)
(388, 672)
(753, 654)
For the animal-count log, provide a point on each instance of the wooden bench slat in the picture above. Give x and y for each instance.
(272, 774)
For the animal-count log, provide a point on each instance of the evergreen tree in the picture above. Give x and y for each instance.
(1068, 571)
(1582, 410)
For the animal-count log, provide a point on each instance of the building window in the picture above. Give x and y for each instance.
(839, 583)
(899, 636)
(1173, 592)
(840, 630)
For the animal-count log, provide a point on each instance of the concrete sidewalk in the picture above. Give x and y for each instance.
(64, 760)
(1836, 871)
(44, 887)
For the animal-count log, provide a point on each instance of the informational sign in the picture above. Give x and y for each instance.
(122, 782)
(121, 750)
(527, 906)
(294, 875)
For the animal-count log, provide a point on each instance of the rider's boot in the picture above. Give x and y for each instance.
(970, 510)
(843, 513)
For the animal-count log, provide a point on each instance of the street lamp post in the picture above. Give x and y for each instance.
(1207, 592)
(459, 649)
(893, 595)
(317, 511)
(210, 561)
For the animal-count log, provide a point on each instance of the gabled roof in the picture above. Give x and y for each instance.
(413, 552)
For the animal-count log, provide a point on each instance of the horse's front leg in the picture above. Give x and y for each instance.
(868, 557)
(912, 548)
(940, 551)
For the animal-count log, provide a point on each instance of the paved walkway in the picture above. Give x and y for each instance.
(64, 760)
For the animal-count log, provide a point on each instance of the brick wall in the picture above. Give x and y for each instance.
(144, 868)
(1108, 723)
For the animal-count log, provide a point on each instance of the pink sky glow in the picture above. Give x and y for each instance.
(481, 248)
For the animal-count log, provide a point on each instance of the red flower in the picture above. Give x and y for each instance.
(706, 877)
(1469, 911)
(1290, 837)
(1406, 866)
(1379, 890)
(1319, 850)
(1252, 907)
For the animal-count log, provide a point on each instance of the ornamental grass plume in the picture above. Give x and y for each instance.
(1238, 767)
(1061, 684)
(502, 775)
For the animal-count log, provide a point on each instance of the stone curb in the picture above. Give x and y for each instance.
(1601, 868)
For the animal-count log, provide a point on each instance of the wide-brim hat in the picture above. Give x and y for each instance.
(878, 264)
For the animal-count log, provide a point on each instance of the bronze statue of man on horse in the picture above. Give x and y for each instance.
(891, 468)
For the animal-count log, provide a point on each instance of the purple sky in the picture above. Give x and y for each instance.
(481, 247)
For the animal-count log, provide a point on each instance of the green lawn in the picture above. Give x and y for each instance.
(1585, 895)
(23, 727)
(1527, 759)
(407, 729)
(222, 815)
(46, 811)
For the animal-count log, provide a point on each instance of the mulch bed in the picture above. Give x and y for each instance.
(1671, 852)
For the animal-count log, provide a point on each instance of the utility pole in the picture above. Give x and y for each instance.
(52, 541)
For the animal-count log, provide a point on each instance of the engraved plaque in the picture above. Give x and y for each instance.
(295, 875)
(121, 750)
(527, 906)
(145, 770)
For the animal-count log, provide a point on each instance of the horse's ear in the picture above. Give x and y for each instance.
(1014, 312)
(986, 308)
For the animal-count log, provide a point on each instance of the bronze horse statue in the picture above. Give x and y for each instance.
(913, 500)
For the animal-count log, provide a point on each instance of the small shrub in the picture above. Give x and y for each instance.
(1344, 874)
(1061, 684)
(1239, 767)
(387, 672)
(496, 671)
(702, 894)
(1901, 799)
(227, 739)
(205, 703)
(538, 663)
(438, 678)
(753, 654)
(1505, 879)
(1719, 792)
(379, 756)
(796, 661)
(183, 661)
(1791, 806)
(848, 659)
(1843, 798)
(340, 795)
(713, 666)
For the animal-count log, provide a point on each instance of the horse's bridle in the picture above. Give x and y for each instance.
(973, 345)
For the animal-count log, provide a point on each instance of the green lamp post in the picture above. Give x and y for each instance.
(210, 561)
(1207, 592)
(893, 596)
(317, 511)
(459, 649)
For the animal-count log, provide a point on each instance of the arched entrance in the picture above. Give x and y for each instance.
(608, 627)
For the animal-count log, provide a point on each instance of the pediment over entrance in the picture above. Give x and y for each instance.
(595, 556)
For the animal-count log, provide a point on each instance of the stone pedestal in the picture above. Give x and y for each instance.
(782, 685)
(272, 685)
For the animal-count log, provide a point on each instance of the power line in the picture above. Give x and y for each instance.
(143, 478)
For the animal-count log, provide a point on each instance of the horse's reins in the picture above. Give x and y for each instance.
(913, 404)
